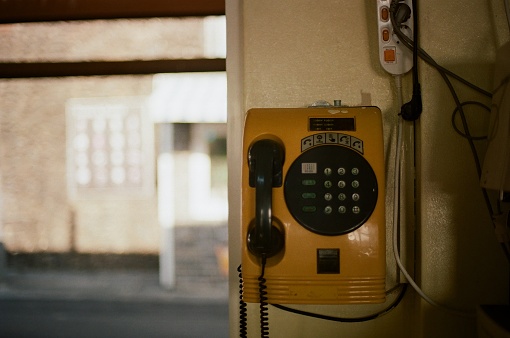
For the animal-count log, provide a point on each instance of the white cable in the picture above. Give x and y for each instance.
(396, 194)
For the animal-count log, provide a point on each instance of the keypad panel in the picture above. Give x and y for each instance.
(331, 189)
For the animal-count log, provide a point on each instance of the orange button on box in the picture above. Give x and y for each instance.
(390, 55)
(386, 35)
(385, 14)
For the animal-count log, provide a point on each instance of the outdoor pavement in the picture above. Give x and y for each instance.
(104, 285)
(110, 304)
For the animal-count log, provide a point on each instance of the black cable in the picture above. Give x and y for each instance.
(460, 132)
(406, 41)
(243, 315)
(400, 13)
(470, 139)
(348, 320)
(459, 109)
(459, 106)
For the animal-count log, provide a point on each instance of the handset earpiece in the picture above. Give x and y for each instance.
(265, 160)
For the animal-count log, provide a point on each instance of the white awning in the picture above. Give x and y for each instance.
(189, 98)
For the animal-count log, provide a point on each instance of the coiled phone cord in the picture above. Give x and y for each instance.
(243, 316)
(264, 313)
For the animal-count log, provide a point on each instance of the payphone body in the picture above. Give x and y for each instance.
(328, 207)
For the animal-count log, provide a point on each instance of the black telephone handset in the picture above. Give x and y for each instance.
(265, 160)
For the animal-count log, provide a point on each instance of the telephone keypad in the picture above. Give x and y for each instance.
(341, 172)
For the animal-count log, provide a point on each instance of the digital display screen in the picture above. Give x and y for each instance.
(332, 124)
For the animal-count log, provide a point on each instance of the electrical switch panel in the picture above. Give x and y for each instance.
(395, 58)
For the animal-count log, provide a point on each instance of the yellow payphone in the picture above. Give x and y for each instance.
(313, 206)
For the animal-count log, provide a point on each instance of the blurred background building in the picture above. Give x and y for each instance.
(110, 171)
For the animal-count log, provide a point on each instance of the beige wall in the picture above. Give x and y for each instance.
(292, 53)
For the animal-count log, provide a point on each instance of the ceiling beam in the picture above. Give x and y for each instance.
(104, 68)
(22, 11)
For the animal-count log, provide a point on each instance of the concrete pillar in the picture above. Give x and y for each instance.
(166, 206)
